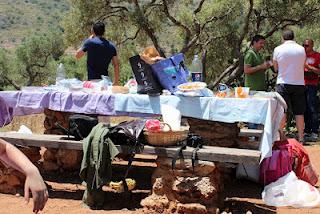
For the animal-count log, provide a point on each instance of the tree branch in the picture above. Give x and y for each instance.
(216, 18)
(231, 68)
(13, 83)
(176, 22)
(287, 22)
(145, 25)
(246, 26)
(41, 65)
(199, 8)
(260, 18)
(130, 38)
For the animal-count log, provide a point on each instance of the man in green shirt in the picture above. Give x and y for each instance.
(254, 65)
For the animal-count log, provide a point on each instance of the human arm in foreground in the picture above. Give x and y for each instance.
(13, 157)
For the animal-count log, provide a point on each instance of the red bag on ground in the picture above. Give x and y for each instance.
(276, 166)
(301, 165)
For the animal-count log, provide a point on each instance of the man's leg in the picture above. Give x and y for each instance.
(300, 126)
(314, 109)
(298, 98)
(308, 113)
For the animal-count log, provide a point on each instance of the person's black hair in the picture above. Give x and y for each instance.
(98, 28)
(288, 34)
(256, 38)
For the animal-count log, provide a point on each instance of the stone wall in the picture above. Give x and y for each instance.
(184, 190)
(59, 159)
(215, 133)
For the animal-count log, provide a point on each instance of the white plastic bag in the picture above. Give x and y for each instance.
(290, 191)
(171, 116)
(24, 130)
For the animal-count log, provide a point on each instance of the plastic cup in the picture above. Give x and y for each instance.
(241, 92)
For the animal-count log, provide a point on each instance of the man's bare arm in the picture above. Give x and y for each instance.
(312, 68)
(116, 66)
(250, 70)
(79, 53)
(275, 66)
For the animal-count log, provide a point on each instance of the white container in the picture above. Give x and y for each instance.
(61, 73)
(171, 116)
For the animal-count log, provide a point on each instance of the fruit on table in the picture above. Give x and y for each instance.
(221, 94)
(241, 93)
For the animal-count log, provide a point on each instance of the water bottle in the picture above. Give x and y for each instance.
(196, 69)
(61, 73)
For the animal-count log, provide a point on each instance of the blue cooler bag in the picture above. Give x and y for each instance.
(171, 72)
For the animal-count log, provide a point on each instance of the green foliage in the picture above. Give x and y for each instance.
(19, 19)
(224, 31)
(74, 68)
(34, 58)
(4, 68)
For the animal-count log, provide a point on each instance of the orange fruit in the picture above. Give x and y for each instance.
(239, 91)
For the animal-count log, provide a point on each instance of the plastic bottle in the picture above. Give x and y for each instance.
(196, 69)
(61, 73)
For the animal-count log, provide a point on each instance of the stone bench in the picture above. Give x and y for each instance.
(207, 153)
(186, 189)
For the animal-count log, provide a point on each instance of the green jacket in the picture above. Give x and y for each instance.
(96, 171)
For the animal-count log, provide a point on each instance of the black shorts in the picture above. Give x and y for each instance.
(294, 95)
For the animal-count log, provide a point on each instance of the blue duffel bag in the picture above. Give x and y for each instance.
(171, 72)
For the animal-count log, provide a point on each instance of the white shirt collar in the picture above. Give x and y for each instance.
(288, 42)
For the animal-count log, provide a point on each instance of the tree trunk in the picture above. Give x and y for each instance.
(204, 63)
(13, 83)
(226, 72)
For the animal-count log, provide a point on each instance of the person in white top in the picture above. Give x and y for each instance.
(289, 60)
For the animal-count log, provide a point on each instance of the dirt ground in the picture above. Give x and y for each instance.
(65, 197)
(66, 191)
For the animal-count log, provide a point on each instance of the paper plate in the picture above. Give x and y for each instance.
(192, 86)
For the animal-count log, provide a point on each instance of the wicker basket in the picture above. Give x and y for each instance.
(166, 138)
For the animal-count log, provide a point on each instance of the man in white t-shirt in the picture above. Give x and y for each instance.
(289, 60)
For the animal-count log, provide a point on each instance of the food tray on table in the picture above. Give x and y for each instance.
(192, 86)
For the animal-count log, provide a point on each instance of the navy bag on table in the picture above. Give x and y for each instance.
(147, 83)
(171, 72)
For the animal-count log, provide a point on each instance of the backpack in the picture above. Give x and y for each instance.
(128, 133)
(80, 126)
(302, 165)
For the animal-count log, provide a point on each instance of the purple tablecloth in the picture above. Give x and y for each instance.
(5, 113)
(24, 102)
